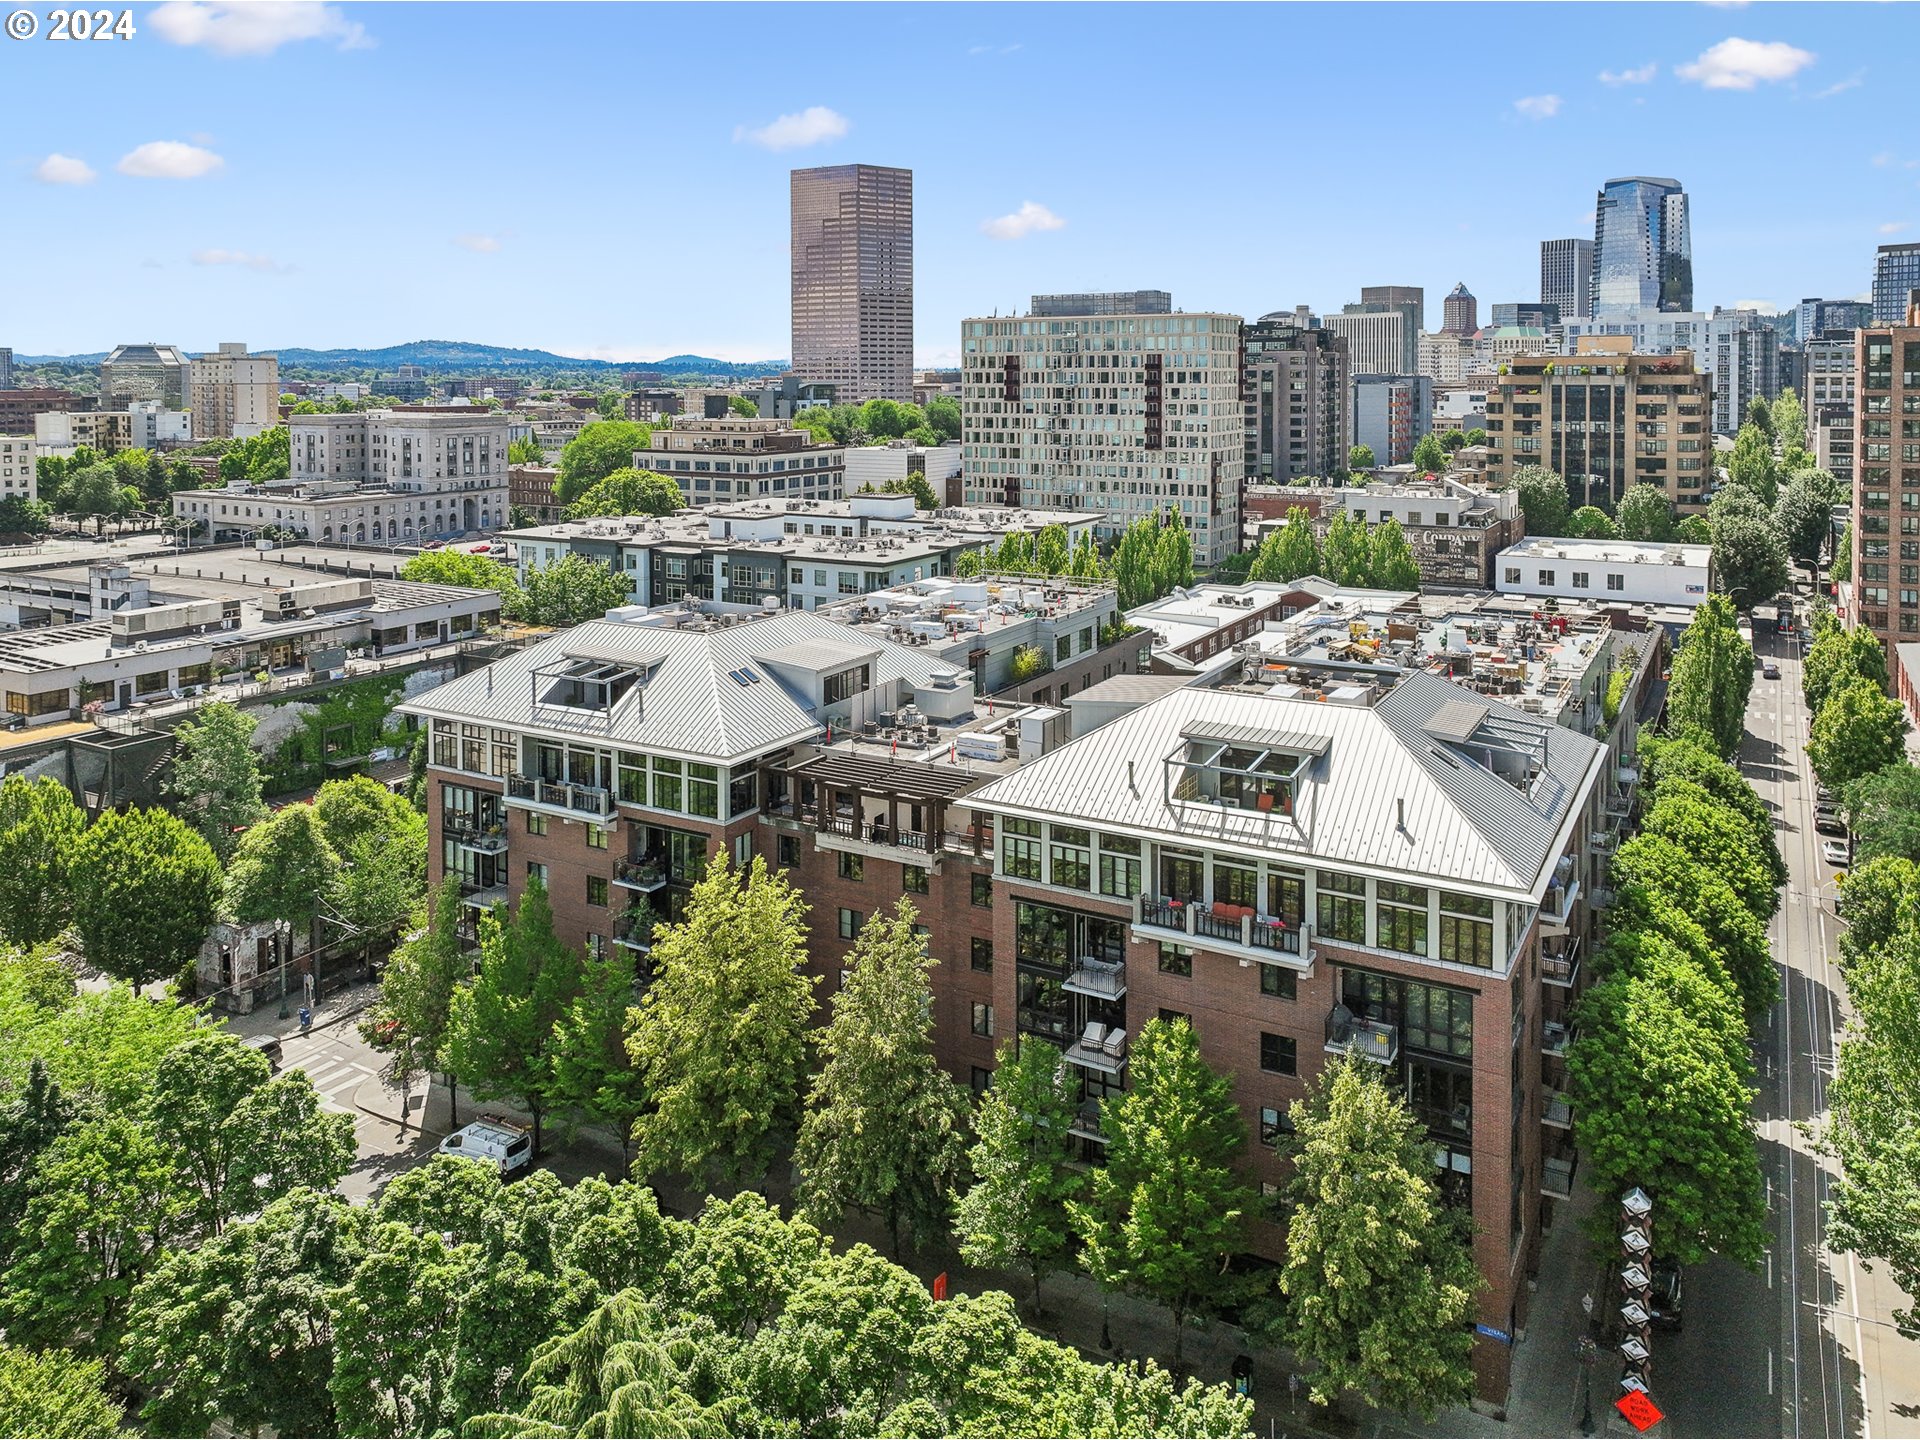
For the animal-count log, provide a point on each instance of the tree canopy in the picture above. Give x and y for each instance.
(1711, 677)
(600, 448)
(1543, 500)
(627, 491)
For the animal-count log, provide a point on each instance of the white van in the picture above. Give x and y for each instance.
(508, 1147)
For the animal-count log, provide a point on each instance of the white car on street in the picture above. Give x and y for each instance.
(1834, 852)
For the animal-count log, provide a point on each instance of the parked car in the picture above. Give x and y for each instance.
(267, 1045)
(507, 1147)
(1666, 1306)
(1834, 852)
(1829, 822)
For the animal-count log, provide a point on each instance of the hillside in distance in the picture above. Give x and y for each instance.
(452, 356)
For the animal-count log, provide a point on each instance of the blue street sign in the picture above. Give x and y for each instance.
(1492, 1334)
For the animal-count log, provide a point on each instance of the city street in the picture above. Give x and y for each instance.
(1805, 1346)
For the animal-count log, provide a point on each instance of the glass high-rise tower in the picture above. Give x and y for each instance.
(1642, 247)
(853, 280)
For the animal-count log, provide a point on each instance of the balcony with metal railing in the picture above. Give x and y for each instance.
(1102, 979)
(1231, 929)
(634, 926)
(1351, 1034)
(1560, 966)
(1557, 1112)
(1556, 1176)
(1099, 1049)
(483, 840)
(1086, 1123)
(559, 797)
(483, 897)
(1556, 1037)
(640, 874)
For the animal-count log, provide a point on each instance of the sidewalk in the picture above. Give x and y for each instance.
(336, 1007)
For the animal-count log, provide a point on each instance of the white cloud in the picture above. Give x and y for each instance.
(1884, 159)
(1893, 227)
(1538, 107)
(1840, 87)
(241, 259)
(1765, 307)
(479, 244)
(810, 126)
(254, 27)
(1022, 222)
(1639, 75)
(58, 169)
(1736, 64)
(169, 160)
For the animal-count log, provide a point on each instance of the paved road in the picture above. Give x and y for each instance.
(1804, 1347)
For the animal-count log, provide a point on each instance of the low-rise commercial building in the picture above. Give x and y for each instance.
(733, 458)
(880, 465)
(530, 488)
(1620, 571)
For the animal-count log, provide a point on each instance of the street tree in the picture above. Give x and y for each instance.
(601, 447)
(1050, 553)
(1711, 677)
(55, 1394)
(451, 566)
(1360, 457)
(1645, 514)
(1379, 1280)
(40, 827)
(1544, 500)
(1166, 1212)
(721, 1034)
(1661, 1086)
(1022, 1162)
(1693, 530)
(1390, 561)
(1430, 456)
(594, 1072)
(1804, 513)
(1749, 553)
(1683, 757)
(421, 978)
(1789, 420)
(1716, 838)
(283, 870)
(392, 1340)
(1860, 729)
(146, 889)
(215, 775)
(1347, 553)
(1875, 1103)
(1296, 549)
(1693, 893)
(1590, 522)
(381, 840)
(1883, 812)
(627, 491)
(943, 417)
(1172, 558)
(570, 591)
(502, 1039)
(884, 1128)
(526, 451)
(1839, 655)
(1752, 463)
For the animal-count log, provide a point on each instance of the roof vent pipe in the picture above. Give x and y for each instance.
(1400, 809)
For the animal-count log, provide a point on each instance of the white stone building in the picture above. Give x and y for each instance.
(233, 394)
(19, 456)
(1620, 571)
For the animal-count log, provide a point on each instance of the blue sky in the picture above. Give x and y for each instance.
(604, 179)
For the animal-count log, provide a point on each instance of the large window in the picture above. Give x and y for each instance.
(1068, 858)
(633, 778)
(847, 684)
(666, 783)
(1119, 866)
(1277, 1053)
(1020, 848)
(1042, 935)
(1277, 983)
(1466, 929)
(1287, 895)
(1340, 906)
(1236, 885)
(703, 790)
(1440, 1020)
(1401, 918)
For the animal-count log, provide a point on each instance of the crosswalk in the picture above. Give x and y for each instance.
(334, 1077)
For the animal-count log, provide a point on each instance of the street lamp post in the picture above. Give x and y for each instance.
(282, 943)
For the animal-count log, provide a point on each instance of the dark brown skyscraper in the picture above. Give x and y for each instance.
(853, 280)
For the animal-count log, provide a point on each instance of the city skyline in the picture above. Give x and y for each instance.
(240, 233)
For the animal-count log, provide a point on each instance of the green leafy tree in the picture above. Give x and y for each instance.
(570, 591)
(146, 890)
(1645, 514)
(1590, 522)
(884, 1126)
(1803, 512)
(36, 1116)
(1543, 500)
(525, 451)
(1840, 567)
(1360, 457)
(1838, 656)
(1752, 463)
(1683, 757)
(1681, 889)
(1693, 530)
(1859, 730)
(1749, 553)
(594, 1071)
(1022, 1163)
(1379, 1279)
(1050, 550)
(627, 491)
(502, 1040)
(381, 840)
(721, 1034)
(1029, 662)
(600, 448)
(216, 775)
(1086, 564)
(106, 1205)
(1789, 419)
(1875, 1101)
(1390, 559)
(740, 405)
(282, 870)
(393, 1348)
(1150, 560)
(55, 1394)
(40, 827)
(452, 566)
(1711, 677)
(1165, 1213)
(1347, 552)
(943, 417)
(1430, 455)
(914, 484)
(1297, 549)
(421, 978)
(1717, 838)
(1453, 440)
(1661, 1086)
(238, 1327)
(1883, 812)
(1760, 416)
(21, 516)
(1172, 558)
(1476, 436)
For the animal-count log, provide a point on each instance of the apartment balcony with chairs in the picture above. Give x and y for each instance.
(560, 797)
(1099, 1049)
(1560, 965)
(1350, 1034)
(646, 874)
(1233, 929)
(1103, 979)
(482, 839)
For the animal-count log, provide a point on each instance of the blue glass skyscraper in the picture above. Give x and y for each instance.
(1642, 248)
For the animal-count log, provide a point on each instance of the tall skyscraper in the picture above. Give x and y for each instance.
(1896, 270)
(1105, 302)
(233, 393)
(1460, 312)
(1642, 246)
(1378, 342)
(1566, 277)
(1296, 394)
(1886, 362)
(853, 280)
(6, 367)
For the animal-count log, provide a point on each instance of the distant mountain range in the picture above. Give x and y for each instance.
(453, 356)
